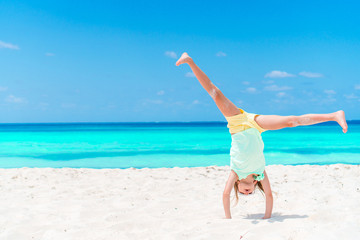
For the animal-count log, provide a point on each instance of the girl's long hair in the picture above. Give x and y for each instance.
(258, 185)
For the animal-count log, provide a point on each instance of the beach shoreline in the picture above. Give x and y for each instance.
(310, 201)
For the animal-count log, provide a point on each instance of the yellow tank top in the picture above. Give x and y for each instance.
(243, 121)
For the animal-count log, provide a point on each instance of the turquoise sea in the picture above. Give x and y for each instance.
(154, 145)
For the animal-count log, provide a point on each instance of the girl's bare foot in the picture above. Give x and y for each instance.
(340, 119)
(183, 59)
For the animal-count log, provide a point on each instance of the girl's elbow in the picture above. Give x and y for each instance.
(226, 194)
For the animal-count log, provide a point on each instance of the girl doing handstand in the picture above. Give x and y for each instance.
(247, 162)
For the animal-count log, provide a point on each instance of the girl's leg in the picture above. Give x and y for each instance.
(274, 122)
(226, 107)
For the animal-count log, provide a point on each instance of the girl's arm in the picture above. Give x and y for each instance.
(226, 194)
(268, 195)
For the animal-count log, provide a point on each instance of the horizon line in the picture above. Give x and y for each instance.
(160, 122)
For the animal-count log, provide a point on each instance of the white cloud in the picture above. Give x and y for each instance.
(330, 92)
(221, 54)
(195, 102)
(8, 45)
(268, 82)
(280, 94)
(13, 99)
(179, 103)
(48, 54)
(330, 97)
(3, 89)
(161, 92)
(357, 87)
(171, 54)
(276, 88)
(350, 96)
(311, 74)
(251, 90)
(309, 93)
(246, 83)
(278, 74)
(190, 74)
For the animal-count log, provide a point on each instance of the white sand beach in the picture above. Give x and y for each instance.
(310, 202)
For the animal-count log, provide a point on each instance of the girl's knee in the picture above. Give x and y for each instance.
(293, 121)
(214, 92)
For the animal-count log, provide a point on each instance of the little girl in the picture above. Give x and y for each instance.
(247, 162)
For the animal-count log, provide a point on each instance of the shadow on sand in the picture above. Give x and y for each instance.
(276, 217)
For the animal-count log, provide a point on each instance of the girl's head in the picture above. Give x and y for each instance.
(246, 187)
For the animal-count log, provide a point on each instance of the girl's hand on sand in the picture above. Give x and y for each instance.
(266, 217)
(226, 217)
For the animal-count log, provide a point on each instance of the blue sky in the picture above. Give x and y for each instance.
(114, 61)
